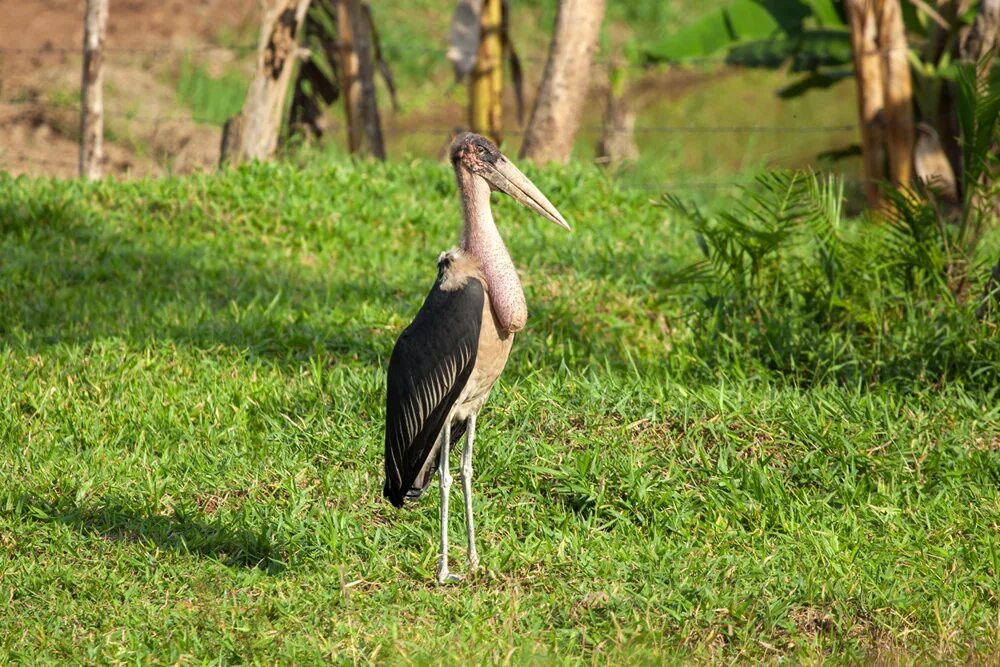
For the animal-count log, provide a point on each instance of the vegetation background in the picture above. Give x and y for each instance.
(741, 424)
(174, 75)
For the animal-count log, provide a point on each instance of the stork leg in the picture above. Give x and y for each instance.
(445, 478)
(470, 529)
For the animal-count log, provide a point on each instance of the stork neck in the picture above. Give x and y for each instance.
(481, 239)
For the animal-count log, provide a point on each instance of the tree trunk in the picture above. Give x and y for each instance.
(361, 31)
(898, 113)
(868, 75)
(486, 85)
(617, 141)
(259, 122)
(561, 95)
(350, 83)
(985, 33)
(885, 93)
(91, 93)
(979, 48)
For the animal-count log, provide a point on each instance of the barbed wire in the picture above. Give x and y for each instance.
(623, 184)
(653, 187)
(641, 129)
(664, 187)
(26, 159)
(658, 186)
(115, 113)
(650, 63)
(140, 50)
(651, 60)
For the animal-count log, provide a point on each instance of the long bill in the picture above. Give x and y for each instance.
(507, 178)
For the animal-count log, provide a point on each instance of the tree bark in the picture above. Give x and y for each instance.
(91, 93)
(486, 85)
(259, 122)
(617, 141)
(979, 48)
(350, 83)
(868, 76)
(361, 31)
(898, 113)
(985, 33)
(555, 118)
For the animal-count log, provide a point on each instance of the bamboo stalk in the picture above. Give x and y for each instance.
(486, 86)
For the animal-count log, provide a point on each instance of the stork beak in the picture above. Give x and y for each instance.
(507, 178)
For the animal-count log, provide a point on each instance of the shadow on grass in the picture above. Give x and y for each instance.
(113, 520)
(67, 279)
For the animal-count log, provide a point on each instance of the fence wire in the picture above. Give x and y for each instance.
(650, 62)
(128, 116)
(653, 187)
(639, 129)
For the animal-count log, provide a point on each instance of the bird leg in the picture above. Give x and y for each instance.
(445, 478)
(470, 529)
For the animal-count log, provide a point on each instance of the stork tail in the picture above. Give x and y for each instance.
(398, 497)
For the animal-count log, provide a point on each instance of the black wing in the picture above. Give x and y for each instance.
(429, 367)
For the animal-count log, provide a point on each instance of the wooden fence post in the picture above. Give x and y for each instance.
(253, 134)
(91, 94)
(486, 85)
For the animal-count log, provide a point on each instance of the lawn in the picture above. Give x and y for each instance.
(192, 380)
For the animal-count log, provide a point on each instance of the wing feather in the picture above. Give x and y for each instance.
(429, 367)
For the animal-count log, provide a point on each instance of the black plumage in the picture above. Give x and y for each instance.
(446, 363)
(428, 370)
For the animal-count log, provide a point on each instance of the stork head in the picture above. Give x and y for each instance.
(476, 155)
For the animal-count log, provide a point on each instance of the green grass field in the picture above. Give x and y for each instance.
(191, 438)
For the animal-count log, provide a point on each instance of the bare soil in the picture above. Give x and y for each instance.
(147, 131)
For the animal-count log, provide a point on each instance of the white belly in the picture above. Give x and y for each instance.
(491, 357)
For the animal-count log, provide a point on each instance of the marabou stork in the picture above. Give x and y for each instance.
(445, 363)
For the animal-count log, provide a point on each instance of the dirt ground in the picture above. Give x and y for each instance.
(40, 62)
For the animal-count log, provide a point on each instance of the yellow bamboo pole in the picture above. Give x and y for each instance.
(486, 86)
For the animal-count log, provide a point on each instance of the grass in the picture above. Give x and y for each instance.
(211, 99)
(190, 450)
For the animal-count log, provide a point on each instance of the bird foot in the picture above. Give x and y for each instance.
(446, 577)
(473, 563)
